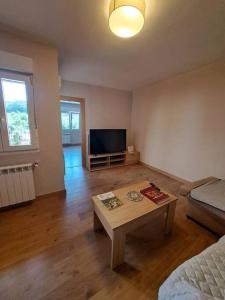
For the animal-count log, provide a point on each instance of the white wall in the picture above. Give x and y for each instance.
(105, 108)
(14, 62)
(49, 176)
(179, 124)
(70, 136)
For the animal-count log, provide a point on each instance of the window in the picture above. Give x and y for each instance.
(75, 122)
(70, 120)
(18, 129)
(65, 117)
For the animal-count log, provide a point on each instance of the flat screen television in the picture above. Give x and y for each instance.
(104, 141)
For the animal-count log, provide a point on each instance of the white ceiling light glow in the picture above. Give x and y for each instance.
(126, 17)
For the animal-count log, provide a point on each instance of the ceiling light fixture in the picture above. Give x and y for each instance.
(126, 17)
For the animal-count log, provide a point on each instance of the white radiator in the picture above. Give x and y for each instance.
(16, 184)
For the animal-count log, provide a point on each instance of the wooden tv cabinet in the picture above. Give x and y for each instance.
(106, 161)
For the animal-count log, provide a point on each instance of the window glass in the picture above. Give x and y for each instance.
(65, 118)
(75, 121)
(16, 112)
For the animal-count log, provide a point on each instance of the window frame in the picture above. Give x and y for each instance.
(4, 138)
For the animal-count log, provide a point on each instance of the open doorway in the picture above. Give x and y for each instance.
(73, 133)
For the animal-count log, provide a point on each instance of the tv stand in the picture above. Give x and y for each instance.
(111, 160)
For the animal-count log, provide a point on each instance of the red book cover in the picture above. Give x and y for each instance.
(155, 195)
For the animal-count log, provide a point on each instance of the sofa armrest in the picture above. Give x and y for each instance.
(187, 187)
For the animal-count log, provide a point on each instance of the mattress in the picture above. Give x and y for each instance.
(200, 278)
(212, 193)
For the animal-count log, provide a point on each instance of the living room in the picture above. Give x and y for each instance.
(146, 205)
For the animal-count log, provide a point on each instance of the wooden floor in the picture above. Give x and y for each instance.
(48, 250)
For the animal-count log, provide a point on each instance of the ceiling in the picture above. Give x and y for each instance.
(179, 35)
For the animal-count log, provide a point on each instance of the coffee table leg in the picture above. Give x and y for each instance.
(118, 247)
(97, 223)
(170, 217)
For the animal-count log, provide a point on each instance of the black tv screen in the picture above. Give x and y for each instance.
(104, 141)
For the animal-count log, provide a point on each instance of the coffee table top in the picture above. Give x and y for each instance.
(130, 210)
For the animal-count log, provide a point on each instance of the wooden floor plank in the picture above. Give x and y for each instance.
(49, 249)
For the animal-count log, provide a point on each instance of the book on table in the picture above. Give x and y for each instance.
(109, 200)
(155, 195)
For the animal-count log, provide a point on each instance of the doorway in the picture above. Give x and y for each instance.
(73, 133)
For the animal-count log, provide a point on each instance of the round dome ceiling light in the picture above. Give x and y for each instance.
(126, 17)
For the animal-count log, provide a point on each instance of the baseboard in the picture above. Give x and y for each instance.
(164, 173)
(70, 145)
(17, 205)
(61, 193)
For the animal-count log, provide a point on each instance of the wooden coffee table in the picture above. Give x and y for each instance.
(129, 216)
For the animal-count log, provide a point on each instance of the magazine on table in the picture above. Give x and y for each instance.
(109, 200)
(155, 195)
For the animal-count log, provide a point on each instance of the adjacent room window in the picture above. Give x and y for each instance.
(70, 120)
(75, 120)
(65, 117)
(18, 128)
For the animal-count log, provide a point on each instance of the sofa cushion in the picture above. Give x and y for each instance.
(211, 193)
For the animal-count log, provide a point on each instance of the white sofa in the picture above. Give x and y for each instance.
(200, 278)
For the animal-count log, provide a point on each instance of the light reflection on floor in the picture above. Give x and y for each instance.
(72, 157)
(73, 169)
